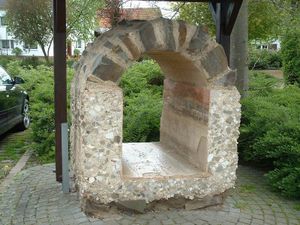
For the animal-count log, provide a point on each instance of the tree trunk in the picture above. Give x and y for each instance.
(49, 46)
(44, 52)
(239, 49)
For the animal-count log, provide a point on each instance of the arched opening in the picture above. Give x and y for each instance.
(180, 149)
(199, 122)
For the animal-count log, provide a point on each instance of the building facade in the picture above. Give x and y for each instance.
(8, 42)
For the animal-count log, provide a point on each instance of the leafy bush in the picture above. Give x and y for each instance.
(39, 84)
(264, 59)
(31, 61)
(270, 133)
(5, 60)
(76, 52)
(142, 117)
(17, 51)
(142, 85)
(291, 56)
(142, 88)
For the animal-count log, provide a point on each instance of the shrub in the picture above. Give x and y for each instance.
(142, 88)
(5, 60)
(264, 59)
(17, 51)
(270, 134)
(76, 52)
(142, 85)
(30, 61)
(142, 117)
(291, 56)
(39, 84)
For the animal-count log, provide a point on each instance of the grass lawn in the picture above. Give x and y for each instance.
(12, 147)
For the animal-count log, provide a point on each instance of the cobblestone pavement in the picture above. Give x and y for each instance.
(35, 198)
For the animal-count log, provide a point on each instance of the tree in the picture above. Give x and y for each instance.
(82, 18)
(291, 56)
(263, 24)
(31, 22)
(196, 13)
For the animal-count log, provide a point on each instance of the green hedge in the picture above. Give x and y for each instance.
(264, 60)
(142, 87)
(270, 132)
(291, 56)
(39, 84)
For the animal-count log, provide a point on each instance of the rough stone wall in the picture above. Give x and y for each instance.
(184, 121)
(190, 59)
(101, 129)
(101, 119)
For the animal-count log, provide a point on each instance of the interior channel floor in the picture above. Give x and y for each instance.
(152, 160)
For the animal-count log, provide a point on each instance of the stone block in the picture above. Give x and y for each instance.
(134, 205)
(204, 202)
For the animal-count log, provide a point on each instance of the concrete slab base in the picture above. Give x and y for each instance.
(154, 160)
(94, 209)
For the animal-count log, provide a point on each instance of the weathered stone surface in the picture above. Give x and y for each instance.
(225, 80)
(200, 119)
(204, 202)
(136, 206)
(213, 63)
(107, 69)
(199, 40)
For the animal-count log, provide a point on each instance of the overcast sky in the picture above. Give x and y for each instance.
(164, 6)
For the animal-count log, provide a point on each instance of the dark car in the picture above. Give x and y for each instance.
(14, 103)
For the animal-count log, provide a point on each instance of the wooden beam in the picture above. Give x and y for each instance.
(232, 15)
(224, 14)
(60, 92)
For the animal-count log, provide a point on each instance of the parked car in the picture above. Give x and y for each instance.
(14, 103)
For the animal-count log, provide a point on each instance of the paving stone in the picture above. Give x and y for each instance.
(155, 222)
(98, 223)
(54, 208)
(167, 222)
(200, 222)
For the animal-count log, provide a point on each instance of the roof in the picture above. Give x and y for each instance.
(129, 14)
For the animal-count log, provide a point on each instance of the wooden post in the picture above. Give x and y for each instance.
(60, 93)
(224, 14)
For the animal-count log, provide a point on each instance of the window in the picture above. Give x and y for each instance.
(78, 44)
(4, 77)
(4, 44)
(3, 21)
(273, 46)
(28, 46)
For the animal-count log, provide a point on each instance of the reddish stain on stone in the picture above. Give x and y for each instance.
(185, 91)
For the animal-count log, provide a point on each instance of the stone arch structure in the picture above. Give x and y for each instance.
(197, 153)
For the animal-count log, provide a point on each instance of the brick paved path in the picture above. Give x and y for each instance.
(35, 198)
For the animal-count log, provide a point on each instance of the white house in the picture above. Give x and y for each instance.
(8, 42)
(274, 45)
